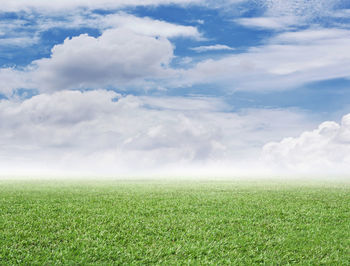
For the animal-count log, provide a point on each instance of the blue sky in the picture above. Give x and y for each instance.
(240, 82)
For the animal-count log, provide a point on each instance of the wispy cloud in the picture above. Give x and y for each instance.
(274, 23)
(216, 47)
(148, 26)
(287, 60)
(19, 41)
(286, 14)
(306, 9)
(64, 5)
(26, 31)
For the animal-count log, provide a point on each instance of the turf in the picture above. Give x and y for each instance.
(124, 222)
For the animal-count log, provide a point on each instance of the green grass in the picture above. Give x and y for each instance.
(159, 222)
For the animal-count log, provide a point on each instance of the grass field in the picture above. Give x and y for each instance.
(168, 222)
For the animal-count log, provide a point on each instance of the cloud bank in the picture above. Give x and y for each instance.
(102, 132)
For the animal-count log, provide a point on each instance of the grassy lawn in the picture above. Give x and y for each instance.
(168, 222)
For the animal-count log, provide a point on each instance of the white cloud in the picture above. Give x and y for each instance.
(101, 132)
(287, 60)
(308, 9)
(138, 25)
(13, 33)
(325, 150)
(287, 14)
(343, 13)
(118, 57)
(44, 6)
(11, 79)
(63, 5)
(148, 26)
(312, 36)
(275, 23)
(122, 58)
(18, 41)
(216, 47)
(130, 50)
(200, 21)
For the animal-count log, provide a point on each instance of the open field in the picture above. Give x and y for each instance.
(168, 222)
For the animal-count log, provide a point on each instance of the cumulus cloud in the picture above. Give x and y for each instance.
(129, 51)
(102, 132)
(325, 150)
(118, 57)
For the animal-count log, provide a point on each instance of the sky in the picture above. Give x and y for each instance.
(175, 87)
